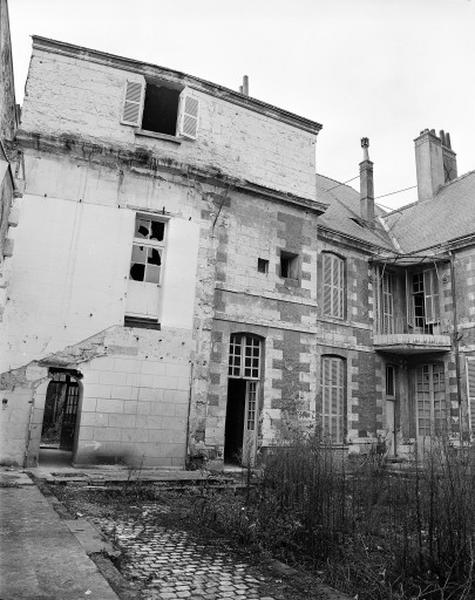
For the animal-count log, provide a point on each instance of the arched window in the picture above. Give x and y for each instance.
(333, 380)
(245, 352)
(333, 285)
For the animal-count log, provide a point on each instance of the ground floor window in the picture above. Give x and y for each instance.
(334, 398)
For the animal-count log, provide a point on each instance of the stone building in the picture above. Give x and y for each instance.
(398, 330)
(164, 265)
(8, 122)
(181, 284)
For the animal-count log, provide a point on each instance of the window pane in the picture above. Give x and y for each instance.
(158, 230)
(137, 272)
(154, 257)
(142, 228)
(153, 274)
(138, 254)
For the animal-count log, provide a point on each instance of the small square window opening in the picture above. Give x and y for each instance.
(289, 265)
(262, 265)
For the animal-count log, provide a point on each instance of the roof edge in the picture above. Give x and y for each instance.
(129, 64)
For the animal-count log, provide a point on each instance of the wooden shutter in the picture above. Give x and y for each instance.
(409, 301)
(133, 103)
(333, 286)
(188, 120)
(431, 297)
(471, 391)
(333, 398)
(327, 284)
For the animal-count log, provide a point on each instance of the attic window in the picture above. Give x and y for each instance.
(160, 109)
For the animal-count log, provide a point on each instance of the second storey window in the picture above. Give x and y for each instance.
(423, 301)
(158, 107)
(146, 268)
(333, 285)
(147, 250)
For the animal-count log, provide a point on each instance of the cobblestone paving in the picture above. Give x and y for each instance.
(169, 565)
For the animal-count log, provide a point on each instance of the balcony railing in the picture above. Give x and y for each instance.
(400, 337)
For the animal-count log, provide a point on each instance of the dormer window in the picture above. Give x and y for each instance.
(159, 108)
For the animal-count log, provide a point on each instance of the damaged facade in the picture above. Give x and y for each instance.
(181, 286)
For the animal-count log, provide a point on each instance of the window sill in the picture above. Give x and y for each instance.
(158, 136)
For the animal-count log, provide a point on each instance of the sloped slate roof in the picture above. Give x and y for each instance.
(450, 215)
(344, 206)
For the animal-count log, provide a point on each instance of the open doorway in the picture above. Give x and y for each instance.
(58, 432)
(240, 435)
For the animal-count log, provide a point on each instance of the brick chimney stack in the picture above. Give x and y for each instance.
(436, 163)
(366, 185)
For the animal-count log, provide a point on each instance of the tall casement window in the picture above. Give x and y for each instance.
(334, 398)
(333, 285)
(430, 399)
(423, 301)
(146, 268)
(385, 301)
(244, 374)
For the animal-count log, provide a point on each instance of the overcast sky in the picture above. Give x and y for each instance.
(385, 69)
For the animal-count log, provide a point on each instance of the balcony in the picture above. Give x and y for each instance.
(400, 338)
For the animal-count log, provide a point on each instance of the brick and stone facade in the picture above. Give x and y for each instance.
(267, 305)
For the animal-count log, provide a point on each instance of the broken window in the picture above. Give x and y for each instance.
(160, 108)
(333, 285)
(334, 398)
(289, 265)
(262, 265)
(147, 250)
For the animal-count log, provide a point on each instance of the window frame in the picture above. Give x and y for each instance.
(237, 367)
(149, 244)
(332, 288)
(188, 109)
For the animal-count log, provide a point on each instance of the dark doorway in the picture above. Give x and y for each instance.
(60, 414)
(234, 428)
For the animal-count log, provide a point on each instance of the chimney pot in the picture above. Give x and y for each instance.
(245, 85)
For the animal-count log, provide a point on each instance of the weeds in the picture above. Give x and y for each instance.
(378, 534)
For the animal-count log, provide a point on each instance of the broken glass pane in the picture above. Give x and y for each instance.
(137, 272)
(138, 254)
(154, 257)
(142, 228)
(158, 230)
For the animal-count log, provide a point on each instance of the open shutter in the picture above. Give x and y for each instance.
(188, 121)
(409, 302)
(133, 103)
(431, 297)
